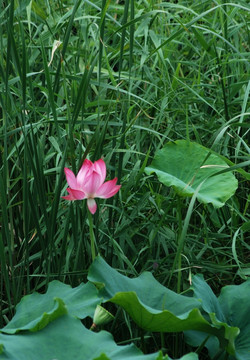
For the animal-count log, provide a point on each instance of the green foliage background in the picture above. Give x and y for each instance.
(119, 79)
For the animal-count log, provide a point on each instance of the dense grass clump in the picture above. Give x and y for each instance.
(119, 79)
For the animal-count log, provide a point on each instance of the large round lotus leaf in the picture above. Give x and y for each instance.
(232, 307)
(36, 311)
(234, 301)
(185, 165)
(66, 339)
(154, 307)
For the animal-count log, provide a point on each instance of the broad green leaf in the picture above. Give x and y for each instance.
(233, 307)
(185, 165)
(36, 315)
(66, 338)
(35, 311)
(152, 319)
(154, 307)
(149, 291)
(203, 292)
(234, 301)
(191, 356)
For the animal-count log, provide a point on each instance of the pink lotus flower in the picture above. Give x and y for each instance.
(89, 184)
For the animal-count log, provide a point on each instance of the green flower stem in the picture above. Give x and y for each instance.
(92, 235)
